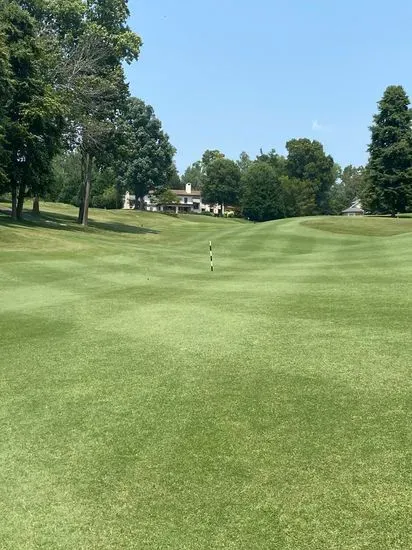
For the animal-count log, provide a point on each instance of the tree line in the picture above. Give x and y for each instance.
(70, 132)
(307, 181)
(66, 116)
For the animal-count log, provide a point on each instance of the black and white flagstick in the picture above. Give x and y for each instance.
(211, 256)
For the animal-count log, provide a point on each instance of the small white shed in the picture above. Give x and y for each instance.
(355, 209)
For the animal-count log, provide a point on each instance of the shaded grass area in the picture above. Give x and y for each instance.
(147, 403)
(363, 225)
(68, 222)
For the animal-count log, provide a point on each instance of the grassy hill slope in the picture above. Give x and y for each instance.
(149, 403)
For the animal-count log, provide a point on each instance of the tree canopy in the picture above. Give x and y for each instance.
(244, 162)
(308, 162)
(221, 183)
(33, 112)
(389, 170)
(147, 151)
(194, 175)
(209, 156)
(69, 129)
(61, 64)
(261, 196)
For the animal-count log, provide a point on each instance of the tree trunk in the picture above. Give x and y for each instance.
(82, 190)
(81, 209)
(14, 201)
(138, 202)
(36, 206)
(87, 188)
(20, 200)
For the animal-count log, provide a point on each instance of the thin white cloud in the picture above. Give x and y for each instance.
(317, 127)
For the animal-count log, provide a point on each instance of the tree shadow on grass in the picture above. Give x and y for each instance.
(66, 222)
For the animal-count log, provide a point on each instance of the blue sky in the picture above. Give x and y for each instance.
(238, 75)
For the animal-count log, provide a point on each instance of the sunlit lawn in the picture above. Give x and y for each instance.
(148, 403)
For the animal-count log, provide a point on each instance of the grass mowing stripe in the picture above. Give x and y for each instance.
(148, 405)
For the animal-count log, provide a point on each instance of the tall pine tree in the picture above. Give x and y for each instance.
(389, 171)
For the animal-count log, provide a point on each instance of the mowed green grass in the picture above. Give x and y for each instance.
(147, 403)
(372, 226)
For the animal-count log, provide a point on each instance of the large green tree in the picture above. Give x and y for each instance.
(99, 91)
(56, 23)
(308, 162)
(298, 197)
(244, 162)
(221, 183)
(209, 156)
(276, 161)
(193, 175)
(389, 171)
(147, 151)
(96, 120)
(196, 172)
(174, 181)
(66, 60)
(5, 91)
(33, 109)
(88, 43)
(261, 196)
